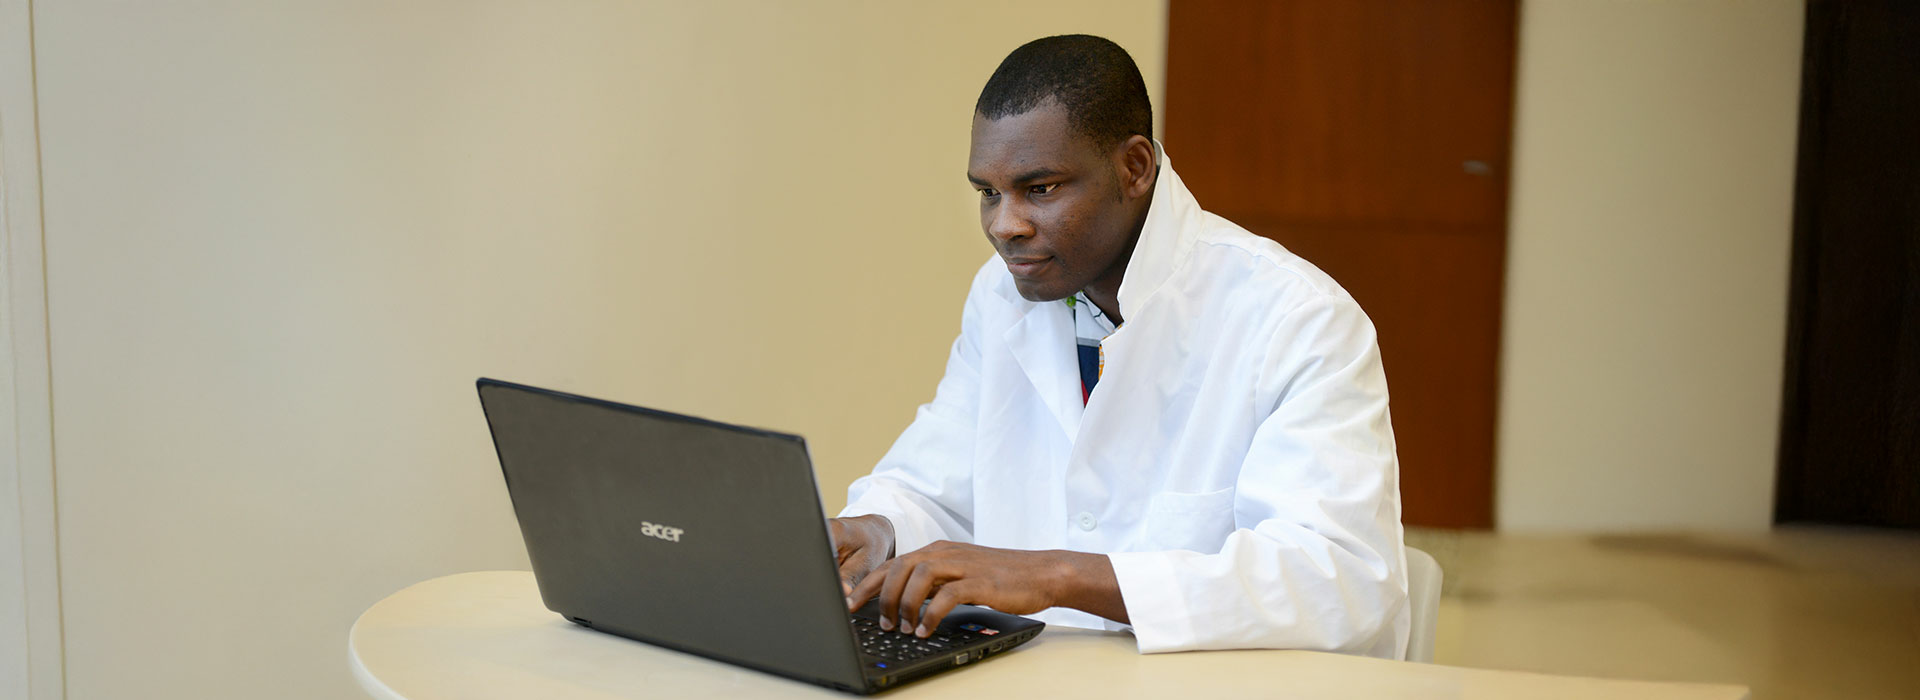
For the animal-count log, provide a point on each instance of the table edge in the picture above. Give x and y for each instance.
(368, 682)
(381, 691)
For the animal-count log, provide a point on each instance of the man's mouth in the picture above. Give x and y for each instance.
(1027, 267)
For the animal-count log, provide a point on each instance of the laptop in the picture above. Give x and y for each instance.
(703, 537)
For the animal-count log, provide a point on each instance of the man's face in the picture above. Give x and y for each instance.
(1051, 202)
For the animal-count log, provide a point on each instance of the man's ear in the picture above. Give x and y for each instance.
(1137, 166)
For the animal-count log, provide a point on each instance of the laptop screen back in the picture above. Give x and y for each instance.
(682, 532)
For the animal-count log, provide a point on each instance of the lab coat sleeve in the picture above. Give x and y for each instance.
(1315, 561)
(924, 484)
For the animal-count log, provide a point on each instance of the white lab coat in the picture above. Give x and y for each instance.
(1235, 461)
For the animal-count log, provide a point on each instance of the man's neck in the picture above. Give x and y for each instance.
(1105, 292)
(1108, 300)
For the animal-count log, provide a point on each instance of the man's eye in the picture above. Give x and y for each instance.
(988, 193)
(1043, 189)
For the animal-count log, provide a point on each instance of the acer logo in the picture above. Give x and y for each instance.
(665, 532)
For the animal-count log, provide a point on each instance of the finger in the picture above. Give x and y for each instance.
(896, 580)
(949, 597)
(920, 584)
(837, 534)
(865, 561)
(865, 588)
(852, 569)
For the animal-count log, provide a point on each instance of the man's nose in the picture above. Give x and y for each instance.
(1008, 222)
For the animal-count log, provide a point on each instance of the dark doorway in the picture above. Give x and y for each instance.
(1372, 139)
(1850, 420)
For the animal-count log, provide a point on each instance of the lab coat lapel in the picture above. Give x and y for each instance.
(1043, 345)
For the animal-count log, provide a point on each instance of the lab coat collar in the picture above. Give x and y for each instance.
(1173, 219)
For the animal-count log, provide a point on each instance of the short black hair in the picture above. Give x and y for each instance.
(1093, 78)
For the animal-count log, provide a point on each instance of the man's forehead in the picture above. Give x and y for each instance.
(1040, 138)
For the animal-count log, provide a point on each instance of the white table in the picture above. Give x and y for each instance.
(484, 635)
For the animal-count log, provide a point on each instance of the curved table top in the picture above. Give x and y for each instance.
(485, 634)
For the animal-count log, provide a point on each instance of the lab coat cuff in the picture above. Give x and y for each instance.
(1150, 588)
(911, 529)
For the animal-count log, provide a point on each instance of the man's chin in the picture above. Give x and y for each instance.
(1038, 293)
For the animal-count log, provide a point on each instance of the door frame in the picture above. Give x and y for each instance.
(32, 641)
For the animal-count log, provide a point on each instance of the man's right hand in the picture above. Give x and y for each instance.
(861, 543)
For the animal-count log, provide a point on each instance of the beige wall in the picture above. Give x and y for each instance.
(1647, 272)
(283, 239)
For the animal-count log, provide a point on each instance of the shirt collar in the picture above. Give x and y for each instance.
(1089, 322)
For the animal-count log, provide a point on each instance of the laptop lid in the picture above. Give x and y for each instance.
(673, 530)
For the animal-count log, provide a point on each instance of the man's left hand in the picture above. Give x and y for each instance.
(946, 574)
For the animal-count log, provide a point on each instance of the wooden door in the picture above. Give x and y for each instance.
(1372, 139)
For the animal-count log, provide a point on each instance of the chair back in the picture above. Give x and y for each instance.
(1423, 596)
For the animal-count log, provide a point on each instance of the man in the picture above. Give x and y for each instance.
(1152, 419)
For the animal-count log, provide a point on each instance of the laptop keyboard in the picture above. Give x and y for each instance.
(903, 647)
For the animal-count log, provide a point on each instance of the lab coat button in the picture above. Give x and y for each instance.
(1086, 521)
